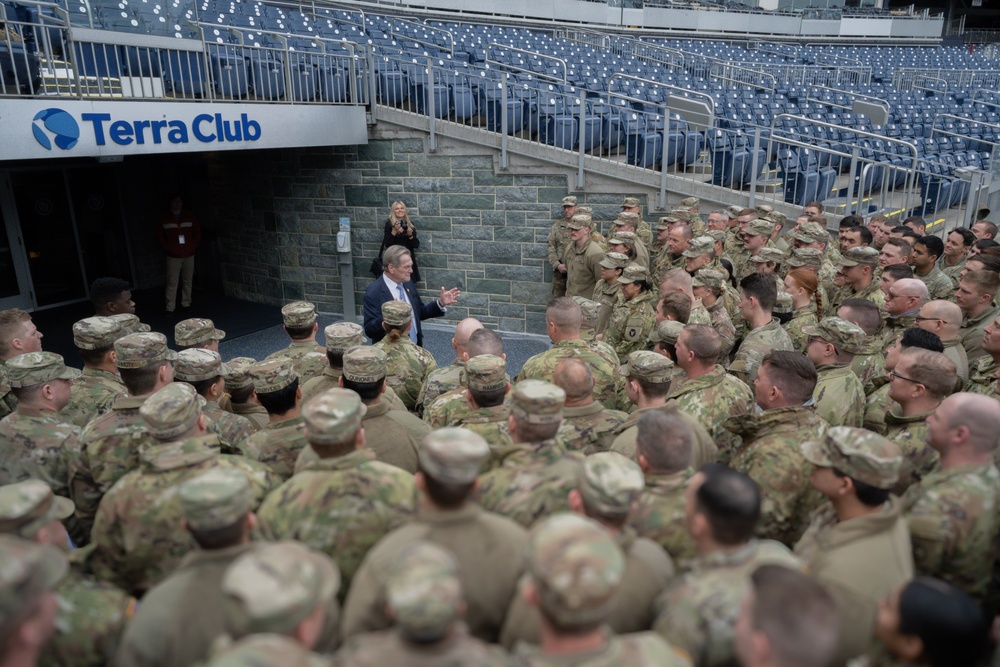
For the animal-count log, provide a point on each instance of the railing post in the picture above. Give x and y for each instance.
(429, 105)
(753, 170)
(580, 182)
(503, 125)
(856, 178)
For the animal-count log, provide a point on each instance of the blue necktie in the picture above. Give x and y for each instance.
(413, 314)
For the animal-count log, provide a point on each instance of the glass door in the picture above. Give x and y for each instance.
(15, 281)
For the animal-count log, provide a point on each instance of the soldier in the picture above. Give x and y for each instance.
(563, 319)
(758, 294)
(856, 273)
(137, 533)
(197, 332)
(559, 239)
(858, 545)
(895, 251)
(90, 614)
(673, 306)
(203, 369)
(877, 391)
(18, 335)
(624, 226)
(181, 616)
(93, 393)
(488, 548)
(680, 282)
(718, 221)
(110, 445)
(869, 359)
(647, 384)
(239, 387)
(754, 237)
(28, 579)
(408, 365)
(633, 319)
(340, 337)
(279, 597)
(424, 598)
(587, 425)
(956, 249)
(607, 491)
(308, 358)
(919, 381)
(976, 295)
(486, 390)
(803, 286)
(130, 323)
(538, 472)
(111, 296)
(575, 571)
(446, 379)
(903, 301)
(673, 255)
(590, 310)
(944, 318)
(581, 257)
(707, 285)
(642, 230)
(769, 262)
(839, 396)
(698, 611)
(926, 252)
(952, 512)
(452, 407)
(344, 501)
(663, 452)
(277, 445)
(787, 619)
(664, 339)
(698, 255)
(608, 292)
(982, 372)
(769, 454)
(814, 236)
(709, 394)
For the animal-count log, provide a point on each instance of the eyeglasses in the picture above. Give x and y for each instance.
(927, 319)
(894, 374)
(892, 295)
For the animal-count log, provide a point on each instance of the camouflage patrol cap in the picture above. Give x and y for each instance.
(397, 313)
(614, 260)
(759, 227)
(610, 483)
(666, 221)
(841, 333)
(27, 507)
(364, 364)
(717, 235)
(239, 373)
(646, 365)
(275, 586)
(591, 311)
(273, 375)
(580, 221)
(633, 273)
(734, 210)
(537, 402)
(298, 314)
(94, 333)
(197, 364)
(577, 568)
(622, 238)
(423, 590)
(858, 453)
(811, 232)
(486, 372)
(31, 368)
(569, 201)
(341, 336)
(766, 254)
(666, 331)
(777, 217)
(27, 570)
(195, 331)
(701, 245)
(763, 209)
(142, 350)
(265, 650)
(682, 215)
(708, 278)
(216, 499)
(130, 323)
(629, 202)
(585, 210)
(627, 218)
(783, 303)
(805, 257)
(171, 412)
(859, 256)
(333, 417)
(453, 455)
(690, 202)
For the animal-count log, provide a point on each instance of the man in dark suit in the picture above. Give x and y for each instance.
(394, 285)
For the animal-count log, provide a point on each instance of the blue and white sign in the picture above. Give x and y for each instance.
(79, 128)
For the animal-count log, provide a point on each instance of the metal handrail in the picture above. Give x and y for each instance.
(518, 68)
(983, 102)
(739, 68)
(885, 103)
(970, 121)
(844, 128)
(686, 91)
(393, 33)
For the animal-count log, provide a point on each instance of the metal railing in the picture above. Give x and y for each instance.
(905, 78)
(422, 40)
(539, 72)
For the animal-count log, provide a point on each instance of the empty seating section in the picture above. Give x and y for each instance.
(782, 113)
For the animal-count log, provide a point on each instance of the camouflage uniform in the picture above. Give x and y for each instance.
(408, 365)
(659, 515)
(600, 359)
(718, 315)
(95, 390)
(7, 401)
(196, 332)
(770, 456)
(558, 241)
(877, 404)
(712, 399)
(589, 428)
(982, 376)
(839, 396)
(939, 285)
(137, 534)
(196, 365)
(911, 436)
(340, 506)
(801, 317)
(859, 256)
(757, 343)
(697, 613)
(582, 268)
(953, 350)
(448, 409)
(308, 359)
(952, 271)
(633, 319)
(441, 381)
(278, 444)
(330, 378)
(239, 378)
(27, 571)
(953, 521)
(893, 328)
(608, 295)
(971, 332)
(489, 549)
(869, 361)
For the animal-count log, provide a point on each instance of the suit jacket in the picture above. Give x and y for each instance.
(378, 293)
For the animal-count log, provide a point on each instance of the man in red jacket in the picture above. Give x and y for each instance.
(179, 234)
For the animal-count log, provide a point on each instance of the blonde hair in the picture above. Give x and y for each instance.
(406, 215)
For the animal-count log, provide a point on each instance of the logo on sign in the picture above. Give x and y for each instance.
(55, 126)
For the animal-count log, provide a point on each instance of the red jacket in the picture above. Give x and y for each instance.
(170, 230)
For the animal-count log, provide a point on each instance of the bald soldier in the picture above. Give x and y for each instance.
(607, 490)
(587, 425)
(944, 319)
(451, 407)
(93, 393)
(344, 500)
(446, 379)
(488, 548)
(277, 445)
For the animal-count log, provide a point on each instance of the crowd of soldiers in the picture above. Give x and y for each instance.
(747, 444)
